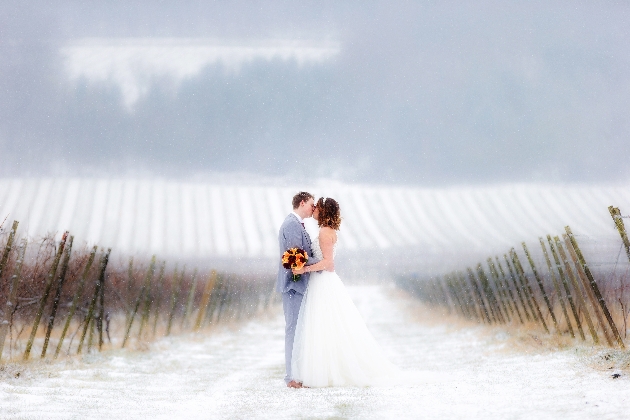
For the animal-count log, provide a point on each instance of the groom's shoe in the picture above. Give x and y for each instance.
(294, 384)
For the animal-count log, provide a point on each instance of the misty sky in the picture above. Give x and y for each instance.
(422, 93)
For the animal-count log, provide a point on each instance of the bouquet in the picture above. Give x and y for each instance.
(294, 258)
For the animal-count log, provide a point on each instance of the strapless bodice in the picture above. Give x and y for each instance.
(317, 250)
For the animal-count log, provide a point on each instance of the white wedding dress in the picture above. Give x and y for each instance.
(332, 345)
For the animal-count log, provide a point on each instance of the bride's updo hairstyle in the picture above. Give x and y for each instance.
(329, 213)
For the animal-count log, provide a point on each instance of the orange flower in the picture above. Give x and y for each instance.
(294, 258)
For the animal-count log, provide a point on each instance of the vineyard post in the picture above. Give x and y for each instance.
(616, 215)
(594, 286)
(525, 286)
(588, 289)
(502, 295)
(565, 284)
(528, 289)
(42, 302)
(520, 290)
(75, 300)
(450, 302)
(101, 297)
(489, 293)
(451, 296)
(462, 293)
(471, 298)
(224, 298)
(60, 281)
(174, 297)
(439, 299)
(215, 298)
(578, 291)
(455, 295)
(148, 299)
(191, 299)
(478, 295)
(540, 286)
(557, 287)
(13, 288)
(158, 287)
(205, 299)
(89, 318)
(8, 246)
(91, 336)
(130, 282)
(134, 309)
(509, 289)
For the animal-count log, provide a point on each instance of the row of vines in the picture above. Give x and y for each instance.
(57, 299)
(563, 295)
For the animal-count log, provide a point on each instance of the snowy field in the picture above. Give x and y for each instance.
(236, 372)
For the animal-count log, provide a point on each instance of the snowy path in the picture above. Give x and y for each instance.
(461, 373)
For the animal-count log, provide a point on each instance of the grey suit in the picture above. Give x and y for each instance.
(292, 235)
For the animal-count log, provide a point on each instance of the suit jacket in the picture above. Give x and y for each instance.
(293, 235)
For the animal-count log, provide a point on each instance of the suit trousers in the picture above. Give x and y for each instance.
(291, 302)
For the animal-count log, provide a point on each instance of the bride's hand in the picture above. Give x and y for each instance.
(300, 271)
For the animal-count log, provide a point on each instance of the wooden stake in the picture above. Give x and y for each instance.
(191, 298)
(557, 287)
(89, 319)
(525, 287)
(595, 288)
(528, 288)
(509, 289)
(205, 298)
(60, 280)
(565, 284)
(455, 296)
(8, 246)
(578, 292)
(10, 306)
(158, 287)
(478, 295)
(101, 306)
(148, 299)
(147, 280)
(616, 215)
(75, 300)
(517, 287)
(587, 288)
(490, 296)
(501, 293)
(42, 302)
(540, 286)
(470, 297)
(175, 289)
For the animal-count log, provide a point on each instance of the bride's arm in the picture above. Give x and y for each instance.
(327, 238)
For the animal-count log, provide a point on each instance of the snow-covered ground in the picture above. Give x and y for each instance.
(236, 372)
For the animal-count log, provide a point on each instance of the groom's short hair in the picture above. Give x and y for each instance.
(301, 196)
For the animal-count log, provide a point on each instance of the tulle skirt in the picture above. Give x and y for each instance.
(332, 345)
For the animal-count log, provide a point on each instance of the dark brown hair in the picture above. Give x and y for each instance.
(299, 197)
(329, 213)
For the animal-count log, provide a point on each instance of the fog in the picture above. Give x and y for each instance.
(417, 93)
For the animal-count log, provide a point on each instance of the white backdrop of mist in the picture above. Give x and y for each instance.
(422, 93)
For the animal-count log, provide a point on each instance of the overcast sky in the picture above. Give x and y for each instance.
(423, 92)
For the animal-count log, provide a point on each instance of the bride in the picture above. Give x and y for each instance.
(332, 345)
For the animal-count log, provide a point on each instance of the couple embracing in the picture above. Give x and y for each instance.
(326, 340)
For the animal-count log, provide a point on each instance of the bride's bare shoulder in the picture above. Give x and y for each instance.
(328, 233)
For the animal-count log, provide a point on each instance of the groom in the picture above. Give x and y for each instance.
(293, 235)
